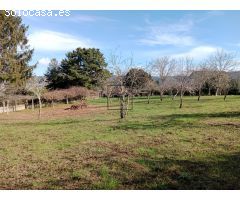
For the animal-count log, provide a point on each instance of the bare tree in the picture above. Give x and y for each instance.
(223, 83)
(117, 63)
(183, 81)
(200, 77)
(164, 67)
(150, 86)
(219, 63)
(37, 86)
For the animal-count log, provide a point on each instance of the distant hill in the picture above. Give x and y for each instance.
(234, 75)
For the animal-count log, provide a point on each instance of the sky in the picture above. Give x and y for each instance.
(144, 35)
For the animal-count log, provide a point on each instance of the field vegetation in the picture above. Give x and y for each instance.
(158, 146)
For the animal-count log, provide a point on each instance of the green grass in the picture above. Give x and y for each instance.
(158, 146)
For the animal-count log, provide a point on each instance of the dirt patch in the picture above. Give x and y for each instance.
(50, 113)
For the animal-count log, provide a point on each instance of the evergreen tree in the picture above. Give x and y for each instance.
(52, 75)
(81, 67)
(15, 52)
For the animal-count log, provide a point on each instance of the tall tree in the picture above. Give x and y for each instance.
(184, 83)
(117, 62)
(200, 77)
(164, 68)
(221, 62)
(15, 53)
(81, 67)
(52, 74)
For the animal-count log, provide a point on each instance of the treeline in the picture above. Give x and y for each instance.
(175, 77)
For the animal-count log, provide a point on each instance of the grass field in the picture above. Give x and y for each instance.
(158, 146)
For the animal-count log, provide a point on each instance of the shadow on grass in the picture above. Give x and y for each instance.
(219, 173)
(200, 115)
(173, 120)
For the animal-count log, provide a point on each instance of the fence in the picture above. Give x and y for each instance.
(12, 108)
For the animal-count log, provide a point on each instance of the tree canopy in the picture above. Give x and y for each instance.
(15, 53)
(81, 67)
(136, 78)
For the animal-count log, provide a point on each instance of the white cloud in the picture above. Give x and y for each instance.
(168, 39)
(169, 34)
(46, 40)
(197, 53)
(44, 61)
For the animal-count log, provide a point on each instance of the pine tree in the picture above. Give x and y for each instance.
(52, 75)
(15, 53)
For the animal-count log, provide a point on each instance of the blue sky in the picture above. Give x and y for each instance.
(144, 34)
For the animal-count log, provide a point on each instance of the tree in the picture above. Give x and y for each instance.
(52, 74)
(136, 79)
(219, 63)
(117, 63)
(200, 77)
(37, 85)
(235, 85)
(164, 67)
(183, 81)
(81, 67)
(15, 53)
(150, 86)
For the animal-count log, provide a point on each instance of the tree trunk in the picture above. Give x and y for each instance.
(199, 94)
(67, 100)
(171, 94)
(15, 105)
(181, 100)
(175, 96)
(32, 105)
(40, 108)
(216, 92)
(26, 104)
(209, 91)
(107, 101)
(122, 107)
(7, 107)
(148, 98)
(161, 95)
(126, 105)
(52, 103)
(225, 95)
